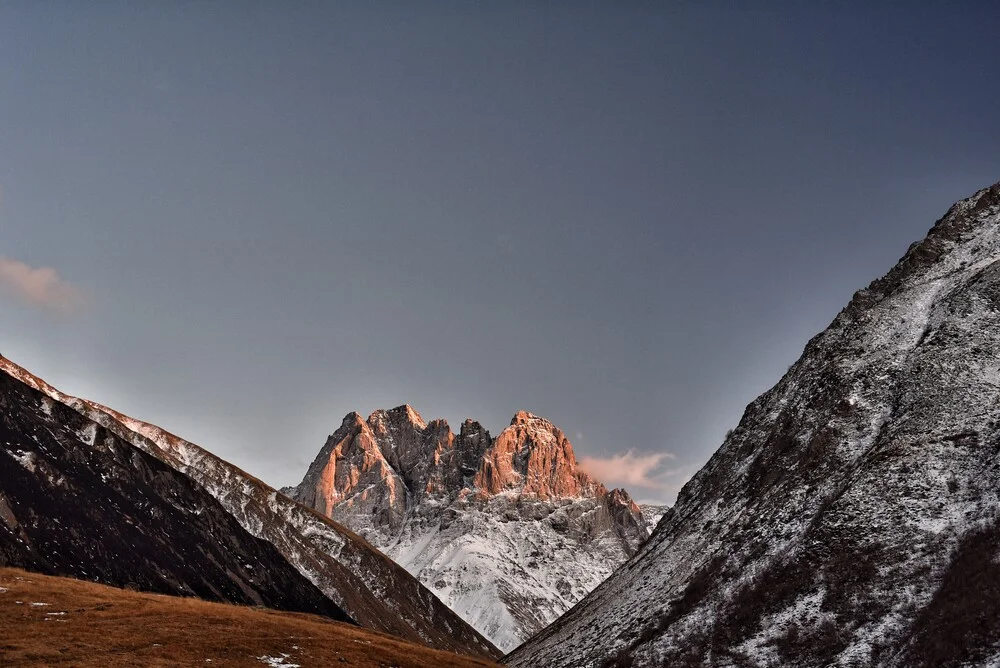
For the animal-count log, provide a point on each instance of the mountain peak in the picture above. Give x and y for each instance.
(420, 491)
(471, 426)
(352, 419)
(620, 495)
(400, 414)
(524, 417)
(533, 457)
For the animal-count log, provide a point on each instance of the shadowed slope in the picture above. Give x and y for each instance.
(77, 500)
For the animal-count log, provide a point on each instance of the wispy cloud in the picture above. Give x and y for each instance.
(626, 468)
(41, 286)
(632, 470)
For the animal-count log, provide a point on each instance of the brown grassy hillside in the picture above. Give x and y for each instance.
(50, 621)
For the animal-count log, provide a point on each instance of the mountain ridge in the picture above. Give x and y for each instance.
(77, 500)
(851, 517)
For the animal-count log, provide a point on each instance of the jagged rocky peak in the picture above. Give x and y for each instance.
(508, 531)
(530, 457)
(528, 418)
(620, 497)
(533, 456)
(401, 419)
(352, 468)
(473, 438)
(472, 442)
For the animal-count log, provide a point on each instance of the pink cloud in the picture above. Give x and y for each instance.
(631, 469)
(42, 286)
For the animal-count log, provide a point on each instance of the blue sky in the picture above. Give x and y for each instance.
(253, 218)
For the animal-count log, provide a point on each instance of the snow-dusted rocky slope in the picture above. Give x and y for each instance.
(371, 588)
(852, 517)
(651, 514)
(77, 500)
(506, 531)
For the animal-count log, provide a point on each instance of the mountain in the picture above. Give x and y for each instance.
(54, 621)
(75, 499)
(507, 531)
(354, 576)
(651, 514)
(852, 517)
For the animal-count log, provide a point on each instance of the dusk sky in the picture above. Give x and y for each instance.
(241, 221)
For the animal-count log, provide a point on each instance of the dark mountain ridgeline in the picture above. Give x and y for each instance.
(76, 500)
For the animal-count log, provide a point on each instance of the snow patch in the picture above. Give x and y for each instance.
(25, 459)
(278, 661)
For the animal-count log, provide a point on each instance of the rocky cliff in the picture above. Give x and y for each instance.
(852, 517)
(507, 530)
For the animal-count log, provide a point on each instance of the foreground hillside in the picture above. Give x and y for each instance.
(50, 621)
(852, 517)
(507, 531)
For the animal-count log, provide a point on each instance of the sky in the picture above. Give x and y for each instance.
(241, 220)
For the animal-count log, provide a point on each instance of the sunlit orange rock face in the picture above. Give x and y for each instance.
(373, 465)
(352, 469)
(534, 457)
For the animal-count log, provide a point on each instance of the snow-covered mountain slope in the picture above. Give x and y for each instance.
(506, 531)
(77, 500)
(852, 517)
(370, 587)
(651, 514)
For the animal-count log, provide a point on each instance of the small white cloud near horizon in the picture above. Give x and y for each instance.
(40, 286)
(631, 470)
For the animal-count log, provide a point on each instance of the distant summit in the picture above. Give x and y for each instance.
(507, 531)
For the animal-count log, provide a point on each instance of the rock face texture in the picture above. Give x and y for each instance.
(506, 531)
(77, 500)
(852, 517)
(652, 513)
(352, 575)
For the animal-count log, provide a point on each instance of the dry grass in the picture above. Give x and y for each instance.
(86, 624)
